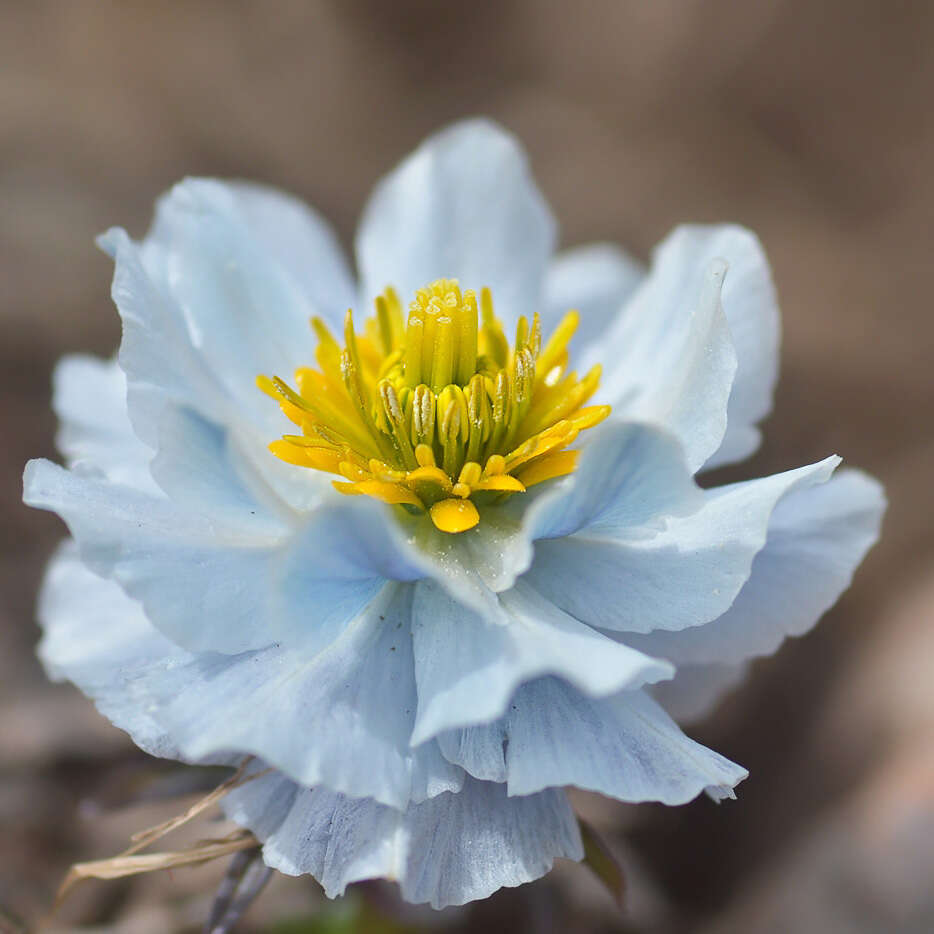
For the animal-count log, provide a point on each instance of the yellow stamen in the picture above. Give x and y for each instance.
(437, 414)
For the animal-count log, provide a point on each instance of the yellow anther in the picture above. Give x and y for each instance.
(454, 515)
(495, 465)
(436, 411)
(470, 473)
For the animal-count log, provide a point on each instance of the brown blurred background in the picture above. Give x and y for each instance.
(811, 122)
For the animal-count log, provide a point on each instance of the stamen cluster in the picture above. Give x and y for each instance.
(438, 413)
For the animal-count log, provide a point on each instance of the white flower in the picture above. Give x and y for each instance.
(426, 677)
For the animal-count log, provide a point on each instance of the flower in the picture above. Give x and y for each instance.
(497, 615)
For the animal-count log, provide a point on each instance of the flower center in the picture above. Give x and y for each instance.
(438, 414)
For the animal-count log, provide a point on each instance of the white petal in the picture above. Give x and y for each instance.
(99, 638)
(624, 746)
(467, 668)
(463, 205)
(596, 280)
(817, 536)
(228, 581)
(156, 352)
(340, 717)
(684, 575)
(669, 358)
(294, 236)
(629, 476)
(695, 690)
(244, 311)
(89, 398)
(751, 308)
(452, 849)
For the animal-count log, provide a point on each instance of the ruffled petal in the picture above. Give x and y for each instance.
(89, 398)
(340, 717)
(596, 280)
(751, 309)
(463, 205)
(99, 638)
(685, 574)
(817, 537)
(629, 476)
(452, 849)
(234, 579)
(156, 353)
(467, 668)
(624, 746)
(669, 358)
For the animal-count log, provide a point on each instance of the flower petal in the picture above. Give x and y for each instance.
(463, 205)
(683, 575)
(669, 358)
(624, 746)
(227, 581)
(751, 309)
(629, 476)
(467, 668)
(99, 638)
(89, 398)
(817, 537)
(156, 352)
(596, 280)
(449, 850)
(339, 717)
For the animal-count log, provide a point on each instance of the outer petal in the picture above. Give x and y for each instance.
(596, 280)
(817, 536)
(99, 638)
(624, 746)
(467, 668)
(684, 575)
(669, 358)
(229, 580)
(161, 364)
(463, 205)
(751, 308)
(340, 717)
(452, 849)
(89, 398)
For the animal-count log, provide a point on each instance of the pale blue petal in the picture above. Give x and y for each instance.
(669, 358)
(683, 575)
(817, 537)
(467, 668)
(294, 236)
(452, 849)
(156, 351)
(596, 280)
(245, 313)
(99, 638)
(751, 308)
(228, 581)
(629, 476)
(89, 398)
(339, 717)
(624, 746)
(695, 690)
(463, 205)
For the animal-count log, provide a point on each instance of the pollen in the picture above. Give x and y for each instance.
(437, 413)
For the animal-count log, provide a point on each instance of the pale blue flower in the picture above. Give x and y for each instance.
(424, 696)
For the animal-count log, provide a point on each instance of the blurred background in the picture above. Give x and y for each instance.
(809, 122)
